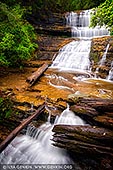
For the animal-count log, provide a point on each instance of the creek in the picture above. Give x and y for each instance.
(71, 71)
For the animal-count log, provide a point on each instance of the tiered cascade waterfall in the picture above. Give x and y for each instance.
(36, 147)
(74, 58)
(80, 25)
(75, 55)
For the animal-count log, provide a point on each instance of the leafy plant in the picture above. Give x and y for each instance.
(5, 107)
(16, 34)
(103, 15)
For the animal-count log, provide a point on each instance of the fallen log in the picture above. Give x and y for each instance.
(32, 79)
(13, 134)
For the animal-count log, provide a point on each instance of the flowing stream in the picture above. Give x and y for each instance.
(36, 146)
(75, 56)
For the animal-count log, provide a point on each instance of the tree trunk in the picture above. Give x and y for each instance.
(13, 134)
(32, 79)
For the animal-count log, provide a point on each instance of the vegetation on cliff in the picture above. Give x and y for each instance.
(104, 15)
(58, 5)
(16, 36)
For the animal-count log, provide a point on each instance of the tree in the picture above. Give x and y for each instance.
(16, 36)
(104, 15)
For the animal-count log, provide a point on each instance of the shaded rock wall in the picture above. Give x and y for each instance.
(51, 23)
(98, 49)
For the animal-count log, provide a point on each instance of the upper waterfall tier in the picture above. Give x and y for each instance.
(80, 23)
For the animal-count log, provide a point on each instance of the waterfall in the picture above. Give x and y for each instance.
(80, 22)
(73, 56)
(36, 146)
(102, 61)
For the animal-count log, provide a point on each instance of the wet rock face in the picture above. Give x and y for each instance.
(48, 46)
(84, 139)
(48, 18)
(98, 50)
(95, 111)
(93, 140)
(91, 144)
(51, 24)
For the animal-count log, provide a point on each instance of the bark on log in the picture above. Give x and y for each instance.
(32, 79)
(13, 134)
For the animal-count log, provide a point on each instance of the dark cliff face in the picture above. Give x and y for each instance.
(50, 23)
(47, 18)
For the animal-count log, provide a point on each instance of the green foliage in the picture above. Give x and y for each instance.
(56, 6)
(16, 36)
(104, 15)
(5, 108)
(59, 5)
(69, 5)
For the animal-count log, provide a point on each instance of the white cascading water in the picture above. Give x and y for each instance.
(102, 61)
(36, 146)
(80, 23)
(73, 56)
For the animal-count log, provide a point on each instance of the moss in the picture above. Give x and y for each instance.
(94, 57)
